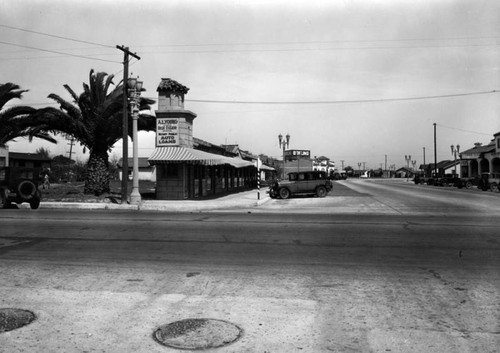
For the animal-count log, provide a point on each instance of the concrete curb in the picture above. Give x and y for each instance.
(242, 200)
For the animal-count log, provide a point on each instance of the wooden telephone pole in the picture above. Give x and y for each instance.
(126, 54)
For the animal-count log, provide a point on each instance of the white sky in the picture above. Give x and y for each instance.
(279, 51)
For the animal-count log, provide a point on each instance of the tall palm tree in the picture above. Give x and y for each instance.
(9, 129)
(95, 121)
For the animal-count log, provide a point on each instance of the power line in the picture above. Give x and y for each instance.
(311, 49)
(322, 42)
(345, 101)
(469, 131)
(331, 102)
(58, 52)
(56, 36)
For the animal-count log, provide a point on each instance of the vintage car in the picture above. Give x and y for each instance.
(301, 183)
(489, 181)
(18, 185)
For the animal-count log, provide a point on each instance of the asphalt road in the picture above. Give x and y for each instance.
(373, 267)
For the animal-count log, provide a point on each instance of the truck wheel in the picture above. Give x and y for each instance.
(284, 193)
(26, 189)
(321, 191)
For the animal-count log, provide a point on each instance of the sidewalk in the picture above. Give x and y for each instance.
(241, 200)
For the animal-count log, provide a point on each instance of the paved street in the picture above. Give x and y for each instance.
(376, 266)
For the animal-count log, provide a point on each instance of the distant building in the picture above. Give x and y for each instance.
(324, 164)
(443, 167)
(297, 160)
(146, 171)
(28, 160)
(481, 159)
(4, 156)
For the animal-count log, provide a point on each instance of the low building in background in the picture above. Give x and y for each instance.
(4, 156)
(29, 160)
(146, 171)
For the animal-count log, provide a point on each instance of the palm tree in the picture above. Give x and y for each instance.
(9, 129)
(95, 121)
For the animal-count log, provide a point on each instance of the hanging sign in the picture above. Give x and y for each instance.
(167, 132)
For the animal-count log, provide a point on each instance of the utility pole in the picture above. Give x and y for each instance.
(71, 143)
(342, 164)
(435, 152)
(126, 54)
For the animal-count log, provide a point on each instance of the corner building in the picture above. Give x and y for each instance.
(186, 167)
(481, 158)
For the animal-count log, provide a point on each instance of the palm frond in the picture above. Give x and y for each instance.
(9, 91)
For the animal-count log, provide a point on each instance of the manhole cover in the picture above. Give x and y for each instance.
(10, 319)
(194, 334)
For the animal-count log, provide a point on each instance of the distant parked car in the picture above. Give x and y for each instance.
(18, 185)
(447, 180)
(304, 183)
(468, 182)
(489, 181)
(342, 175)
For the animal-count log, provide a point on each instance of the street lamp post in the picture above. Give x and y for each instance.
(407, 159)
(454, 152)
(135, 88)
(284, 143)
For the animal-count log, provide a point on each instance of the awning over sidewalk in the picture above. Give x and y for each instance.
(164, 155)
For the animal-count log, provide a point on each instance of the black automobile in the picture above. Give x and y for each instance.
(304, 183)
(18, 185)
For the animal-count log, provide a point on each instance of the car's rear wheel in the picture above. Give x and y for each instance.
(468, 185)
(494, 187)
(321, 191)
(284, 193)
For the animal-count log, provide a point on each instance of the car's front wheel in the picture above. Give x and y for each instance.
(494, 187)
(321, 191)
(284, 193)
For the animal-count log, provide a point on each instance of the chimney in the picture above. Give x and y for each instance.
(171, 95)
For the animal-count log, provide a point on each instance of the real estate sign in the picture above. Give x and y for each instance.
(167, 132)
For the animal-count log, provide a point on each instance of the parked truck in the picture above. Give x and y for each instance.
(18, 185)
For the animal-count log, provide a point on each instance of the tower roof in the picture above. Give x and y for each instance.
(167, 84)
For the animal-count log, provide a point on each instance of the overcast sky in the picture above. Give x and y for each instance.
(356, 80)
